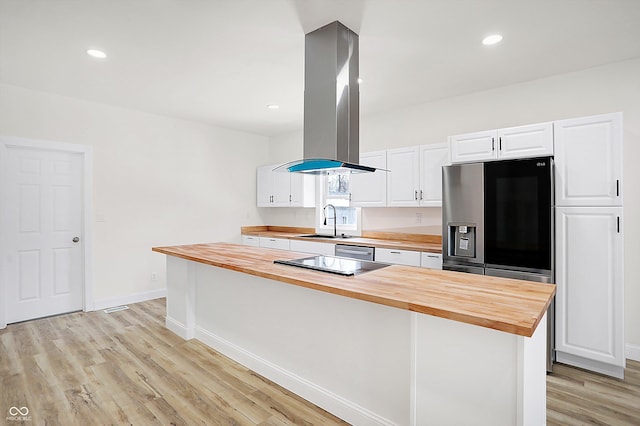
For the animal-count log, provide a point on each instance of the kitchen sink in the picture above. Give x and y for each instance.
(341, 236)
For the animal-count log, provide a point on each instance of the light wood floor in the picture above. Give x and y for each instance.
(126, 368)
(579, 397)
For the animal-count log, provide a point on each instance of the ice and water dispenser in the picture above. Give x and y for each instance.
(463, 239)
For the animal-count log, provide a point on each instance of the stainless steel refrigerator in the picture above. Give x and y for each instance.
(497, 219)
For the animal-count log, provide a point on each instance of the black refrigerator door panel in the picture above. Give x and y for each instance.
(518, 213)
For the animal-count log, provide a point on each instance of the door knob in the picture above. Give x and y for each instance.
(75, 239)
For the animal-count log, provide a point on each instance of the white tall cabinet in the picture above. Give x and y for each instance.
(589, 243)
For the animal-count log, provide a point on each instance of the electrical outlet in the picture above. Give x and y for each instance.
(418, 217)
(154, 276)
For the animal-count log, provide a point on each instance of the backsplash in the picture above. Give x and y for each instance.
(425, 220)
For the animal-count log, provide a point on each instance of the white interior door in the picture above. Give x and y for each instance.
(43, 267)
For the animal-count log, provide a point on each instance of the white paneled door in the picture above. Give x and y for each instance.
(42, 266)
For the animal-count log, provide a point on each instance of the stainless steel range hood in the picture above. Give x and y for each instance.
(331, 103)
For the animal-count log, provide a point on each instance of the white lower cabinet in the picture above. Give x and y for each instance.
(276, 243)
(250, 240)
(399, 257)
(589, 299)
(312, 247)
(431, 260)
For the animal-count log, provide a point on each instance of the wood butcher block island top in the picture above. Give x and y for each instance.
(508, 305)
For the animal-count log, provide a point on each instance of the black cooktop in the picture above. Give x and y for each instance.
(334, 265)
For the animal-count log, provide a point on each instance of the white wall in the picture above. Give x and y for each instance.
(157, 181)
(610, 88)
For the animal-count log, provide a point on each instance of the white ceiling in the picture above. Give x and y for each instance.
(223, 61)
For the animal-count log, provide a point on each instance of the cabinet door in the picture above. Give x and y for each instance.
(403, 179)
(370, 189)
(277, 243)
(588, 161)
(264, 186)
(431, 260)
(303, 190)
(477, 146)
(312, 247)
(399, 257)
(589, 299)
(535, 140)
(281, 189)
(432, 158)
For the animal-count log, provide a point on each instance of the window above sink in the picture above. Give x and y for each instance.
(334, 190)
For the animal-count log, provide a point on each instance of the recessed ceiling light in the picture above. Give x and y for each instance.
(359, 80)
(273, 106)
(95, 53)
(492, 39)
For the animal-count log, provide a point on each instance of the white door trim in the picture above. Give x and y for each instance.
(87, 205)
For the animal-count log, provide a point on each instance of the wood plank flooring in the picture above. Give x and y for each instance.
(127, 368)
(579, 397)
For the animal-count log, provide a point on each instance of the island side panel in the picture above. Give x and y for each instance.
(532, 376)
(467, 374)
(351, 357)
(181, 287)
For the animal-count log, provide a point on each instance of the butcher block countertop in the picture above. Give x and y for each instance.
(391, 240)
(512, 306)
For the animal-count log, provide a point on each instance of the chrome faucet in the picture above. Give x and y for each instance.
(335, 218)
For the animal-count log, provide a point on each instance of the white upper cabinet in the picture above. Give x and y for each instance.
(534, 140)
(432, 158)
(588, 161)
(478, 146)
(370, 189)
(415, 175)
(282, 189)
(403, 179)
(303, 190)
(264, 186)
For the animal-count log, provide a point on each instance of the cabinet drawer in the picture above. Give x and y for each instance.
(399, 257)
(250, 240)
(276, 243)
(431, 260)
(326, 249)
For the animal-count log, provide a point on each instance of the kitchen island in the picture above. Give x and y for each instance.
(400, 345)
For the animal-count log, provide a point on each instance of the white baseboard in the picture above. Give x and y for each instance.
(335, 404)
(591, 365)
(179, 328)
(131, 298)
(632, 352)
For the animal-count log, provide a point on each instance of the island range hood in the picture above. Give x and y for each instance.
(331, 103)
